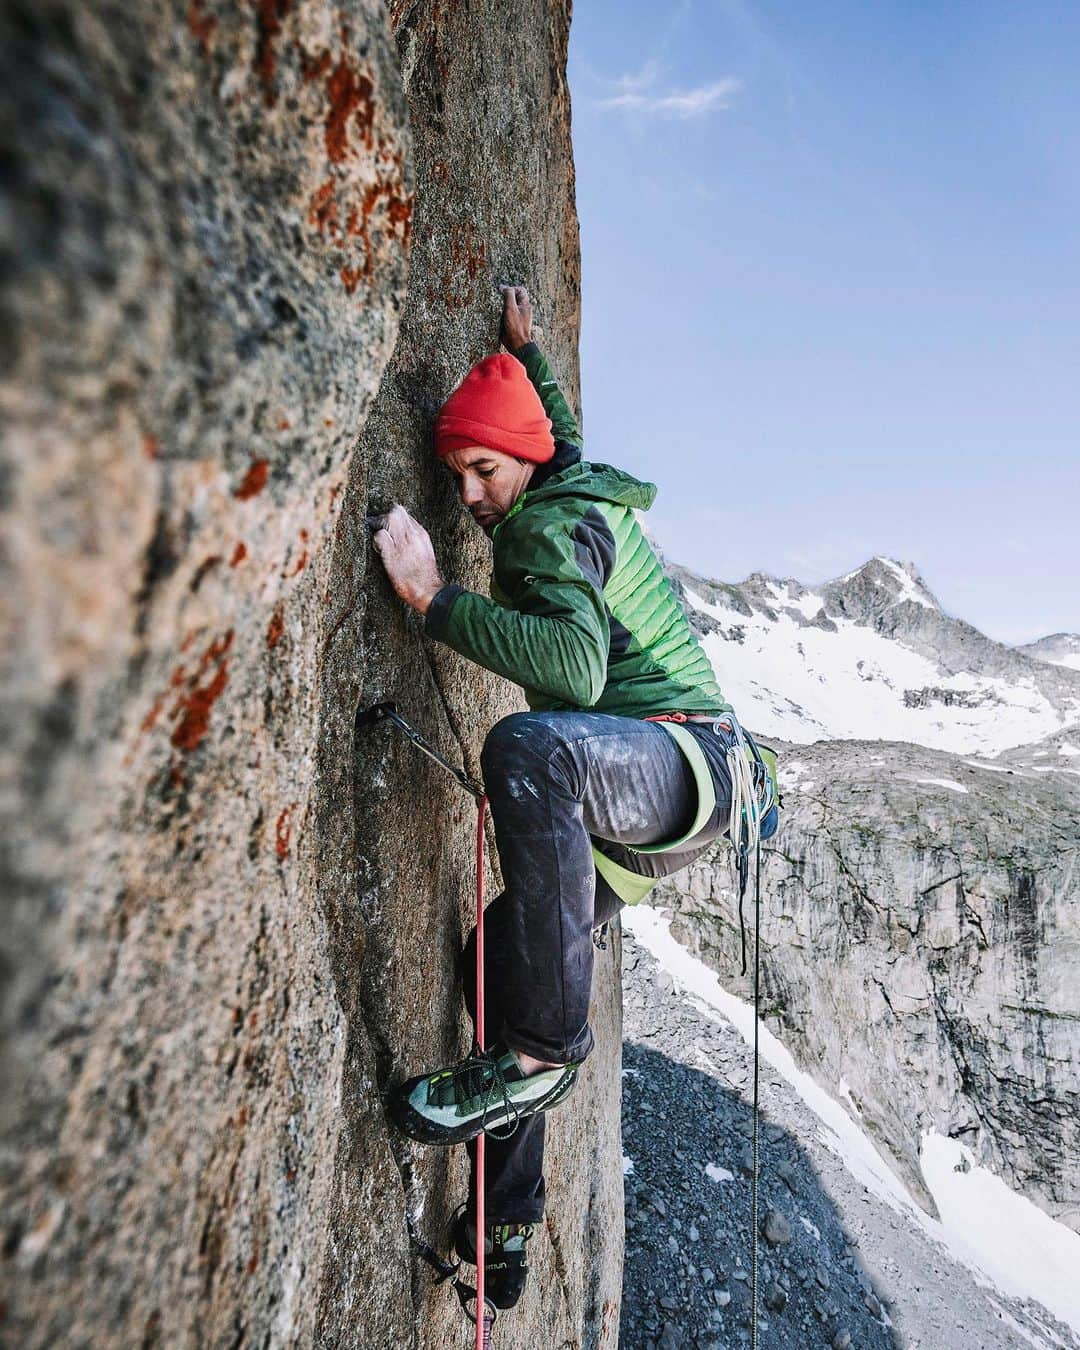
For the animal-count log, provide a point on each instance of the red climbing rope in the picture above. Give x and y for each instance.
(484, 1311)
(484, 1318)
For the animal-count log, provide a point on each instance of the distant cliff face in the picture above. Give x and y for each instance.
(921, 933)
(230, 921)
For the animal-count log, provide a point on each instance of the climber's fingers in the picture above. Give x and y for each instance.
(399, 533)
(517, 316)
(393, 529)
(408, 556)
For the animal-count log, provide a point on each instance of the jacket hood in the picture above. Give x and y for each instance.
(595, 482)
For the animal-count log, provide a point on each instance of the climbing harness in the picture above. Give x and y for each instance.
(755, 768)
(483, 1311)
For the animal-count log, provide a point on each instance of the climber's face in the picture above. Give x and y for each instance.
(489, 482)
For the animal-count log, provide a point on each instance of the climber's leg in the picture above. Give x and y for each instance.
(514, 1167)
(553, 779)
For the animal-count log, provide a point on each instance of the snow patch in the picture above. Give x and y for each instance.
(840, 1133)
(908, 588)
(1003, 1238)
(717, 1173)
(627, 1164)
(810, 1226)
(804, 684)
(1022, 1250)
(949, 783)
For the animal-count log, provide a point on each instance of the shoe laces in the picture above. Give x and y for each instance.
(477, 1076)
(501, 1237)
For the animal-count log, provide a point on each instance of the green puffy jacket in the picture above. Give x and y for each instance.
(581, 614)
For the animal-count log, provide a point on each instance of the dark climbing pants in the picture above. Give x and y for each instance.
(555, 782)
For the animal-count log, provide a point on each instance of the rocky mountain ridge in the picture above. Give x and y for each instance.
(1059, 649)
(870, 655)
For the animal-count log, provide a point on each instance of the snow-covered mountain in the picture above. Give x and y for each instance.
(872, 656)
(1060, 649)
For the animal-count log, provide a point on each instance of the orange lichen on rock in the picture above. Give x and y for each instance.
(314, 67)
(398, 212)
(154, 712)
(350, 94)
(150, 720)
(239, 553)
(469, 255)
(195, 706)
(201, 25)
(302, 557)
(151, 447)
(282, 832)
(254, 480)
(275, 630)
(323, 209)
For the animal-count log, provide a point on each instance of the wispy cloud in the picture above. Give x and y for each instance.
(637, 92)
(635, 81)
(685, 103)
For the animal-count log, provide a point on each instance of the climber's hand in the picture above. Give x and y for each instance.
(517, 317)
(405, 548)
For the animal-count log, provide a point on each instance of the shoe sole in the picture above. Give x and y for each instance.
(409, 1121)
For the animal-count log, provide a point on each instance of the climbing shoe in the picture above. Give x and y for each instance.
(506, 1262)
(483, 1092)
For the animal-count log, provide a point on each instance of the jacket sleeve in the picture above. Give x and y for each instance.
(553, 638)
(563, 425)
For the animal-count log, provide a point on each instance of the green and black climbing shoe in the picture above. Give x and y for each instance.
(506, 1263)
(483, 1092)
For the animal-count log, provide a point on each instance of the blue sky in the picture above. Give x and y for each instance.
(830, 285)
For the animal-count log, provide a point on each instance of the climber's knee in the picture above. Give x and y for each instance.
(522, 752)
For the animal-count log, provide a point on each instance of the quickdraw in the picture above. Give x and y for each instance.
(447, 1273)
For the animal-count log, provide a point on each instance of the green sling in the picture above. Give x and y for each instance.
(632, 887)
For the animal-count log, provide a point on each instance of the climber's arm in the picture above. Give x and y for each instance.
(517, 337)
(551, 635)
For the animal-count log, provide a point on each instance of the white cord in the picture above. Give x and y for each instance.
(744, 799)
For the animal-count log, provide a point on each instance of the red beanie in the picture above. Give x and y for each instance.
(496, 406)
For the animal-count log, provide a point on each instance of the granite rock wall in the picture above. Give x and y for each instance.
(245, 252)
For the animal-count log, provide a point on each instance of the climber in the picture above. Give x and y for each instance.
(592, 802)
